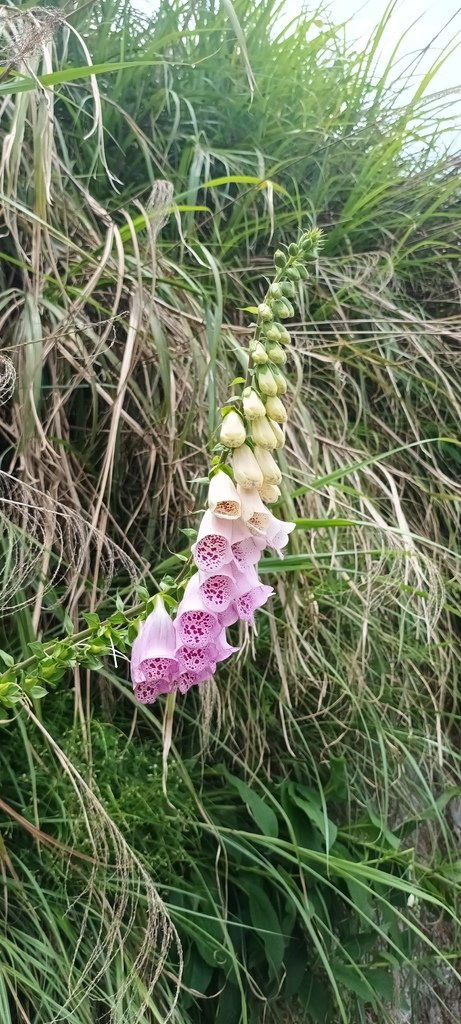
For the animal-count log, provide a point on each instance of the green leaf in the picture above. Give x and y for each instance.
(21, 83)
(263, 815)
(92, 620)
(7, 658)
(355, 981)
(264, 918)
(38, 692)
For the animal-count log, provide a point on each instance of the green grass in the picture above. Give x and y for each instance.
(314, 794)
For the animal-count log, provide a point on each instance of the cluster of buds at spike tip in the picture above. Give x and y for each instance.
(173, 655)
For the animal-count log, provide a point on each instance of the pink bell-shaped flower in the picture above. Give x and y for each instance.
(212, 548)
(195, 625)
(153, 652)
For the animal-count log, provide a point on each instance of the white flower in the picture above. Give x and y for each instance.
(223, 500)
(247, 472)
(275, 409)
(279, 433)
(255, 515)
(252, 404)
(269, 493)
(233, 432)
(263, 434)
(266, 381)
(268, 466)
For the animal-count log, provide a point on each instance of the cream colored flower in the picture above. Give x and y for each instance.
(255, 515)
(233, 432)
(262, 433)
(252, 404)
(266, 381)
(279, 380)
(247, 472)
(223, 499)
(259, 354)
(279, 433)
(275, 409)
(268, 466)
(269, 493)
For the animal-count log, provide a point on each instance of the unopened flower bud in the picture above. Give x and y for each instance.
(273, 333)
(285, 337)
(269, 493)
(288, 290)
(262, 433)
(266, 381)
(265, 312)
(293, 249)
(233, 431)
(279, 258)
(278, 432)
(277, 354)
(280, 380)
(303, 272)
(292, 273)
(275, 290)
(252, 404)
(275, 409)
(259, 354)
(283, 309)
(268, 466)
(247, 471)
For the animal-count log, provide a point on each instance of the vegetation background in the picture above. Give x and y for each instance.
(300, 862)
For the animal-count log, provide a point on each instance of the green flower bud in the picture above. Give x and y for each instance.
(279, 380)
(266, 381)
(277, 355)
(293, 249)
(278, 431)
(252, 404)
(285, 337)
(259, 354)
(283, 309)
(275, 290)
(273, 333)
(279, 258)
(275, 409)
(288, 289)
(265, 312)
(292, 273)
(262, 433)
(232, 433)
(303, 272)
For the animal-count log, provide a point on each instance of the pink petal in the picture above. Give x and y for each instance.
(195, 625)
(217, 589)
(247, 604)
(212, 548)
(155, 643)
(188, 679)
(147, 693)
(246, 549)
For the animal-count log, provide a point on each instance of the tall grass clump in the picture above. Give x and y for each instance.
(286, 851)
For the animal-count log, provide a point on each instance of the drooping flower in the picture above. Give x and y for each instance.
(266, 381)
(195, 625)
(246, 548)
(217, 589)
(212, 548)
(247, 472)
(277, 534)
(269, 493)
(252, 404)
(255, 515)
(189, 678)
(248, 603)
(276, 410)
(262, 434)
(153, 657)
(268, 466)
(232, 433)
(279, 433)
(223, 500)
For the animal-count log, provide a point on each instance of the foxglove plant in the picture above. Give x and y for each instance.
(224, 588)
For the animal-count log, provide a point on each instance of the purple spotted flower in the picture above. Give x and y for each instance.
(154, 665)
